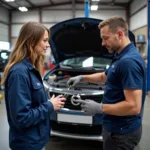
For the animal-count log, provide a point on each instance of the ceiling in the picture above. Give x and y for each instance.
(43, 4)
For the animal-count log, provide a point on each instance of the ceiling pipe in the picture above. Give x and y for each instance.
(86, 8)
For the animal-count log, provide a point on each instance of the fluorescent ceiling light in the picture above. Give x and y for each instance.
(23, 9)
(9, 0)
(95, 0)
(94, 7)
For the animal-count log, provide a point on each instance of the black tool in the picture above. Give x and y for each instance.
(67, 95)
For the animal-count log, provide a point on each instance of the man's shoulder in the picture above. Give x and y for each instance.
(132, 57)
(132, 63)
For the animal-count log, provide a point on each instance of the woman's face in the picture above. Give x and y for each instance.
(43, 45)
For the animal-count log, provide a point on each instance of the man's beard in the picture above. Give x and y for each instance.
(113, 50)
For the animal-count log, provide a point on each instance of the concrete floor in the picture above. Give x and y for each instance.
(70, 144)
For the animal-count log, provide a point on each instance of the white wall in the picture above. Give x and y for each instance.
(4, 15)
(4, 28)
(104, 14)
(15, 28)
(4, 34)
(20, 17)
(56, 16)
(51, 17)
(139, 19)
(136, 4)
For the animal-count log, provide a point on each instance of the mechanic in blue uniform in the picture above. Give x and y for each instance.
(124, 94)
(27, 103)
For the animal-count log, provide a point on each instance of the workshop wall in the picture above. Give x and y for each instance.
(138, 14)
(4, 27)
(138, 23)
(49, 17)
(142, 46)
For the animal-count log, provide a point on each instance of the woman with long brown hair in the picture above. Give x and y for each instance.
(27, 104)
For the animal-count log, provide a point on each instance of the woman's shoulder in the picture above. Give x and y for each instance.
(19, 68)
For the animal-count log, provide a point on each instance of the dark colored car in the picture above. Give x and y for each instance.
(4, 57)
(76, 47)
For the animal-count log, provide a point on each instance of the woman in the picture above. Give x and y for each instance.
(27, 104)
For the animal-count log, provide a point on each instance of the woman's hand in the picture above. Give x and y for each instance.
(58, 101)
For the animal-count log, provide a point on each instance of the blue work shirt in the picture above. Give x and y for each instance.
(28, 108)
(127, 71)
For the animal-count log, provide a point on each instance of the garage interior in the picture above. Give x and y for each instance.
(14, 13)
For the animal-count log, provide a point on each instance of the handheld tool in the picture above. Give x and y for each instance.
(67, 95)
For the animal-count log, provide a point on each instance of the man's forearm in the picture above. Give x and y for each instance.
(123, 108)
(95, 78)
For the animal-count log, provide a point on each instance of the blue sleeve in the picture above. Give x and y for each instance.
(106, 71)
(19, 99)
(131, 74)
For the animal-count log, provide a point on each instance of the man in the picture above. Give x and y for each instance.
(124, 93)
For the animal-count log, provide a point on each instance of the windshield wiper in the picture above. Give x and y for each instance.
(100, 67)
(93, 68)
(86, 68)
(67, 66)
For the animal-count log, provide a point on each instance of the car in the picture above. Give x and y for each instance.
(77, 49)
(4, 57)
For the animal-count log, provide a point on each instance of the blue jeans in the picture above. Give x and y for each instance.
(43, 148)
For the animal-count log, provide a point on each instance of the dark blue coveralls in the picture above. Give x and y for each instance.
(28, 108)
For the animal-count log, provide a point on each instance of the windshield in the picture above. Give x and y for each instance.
(86, 62)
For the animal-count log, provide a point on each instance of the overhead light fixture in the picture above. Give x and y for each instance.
(95, 0)
(9, 0)
(23, 9)
(94, 7)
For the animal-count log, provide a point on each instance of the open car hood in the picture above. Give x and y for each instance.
(77, 38)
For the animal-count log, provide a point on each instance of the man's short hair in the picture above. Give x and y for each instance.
(114, 24)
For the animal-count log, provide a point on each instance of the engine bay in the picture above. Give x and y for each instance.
(59, 78)
(56, 83)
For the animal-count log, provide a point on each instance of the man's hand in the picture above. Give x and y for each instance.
(90, 107)
(74, 80)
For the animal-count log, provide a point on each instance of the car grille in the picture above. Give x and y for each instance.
(68, 104)
(77, 129)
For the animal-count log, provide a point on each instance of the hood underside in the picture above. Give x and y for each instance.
(76, 38)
